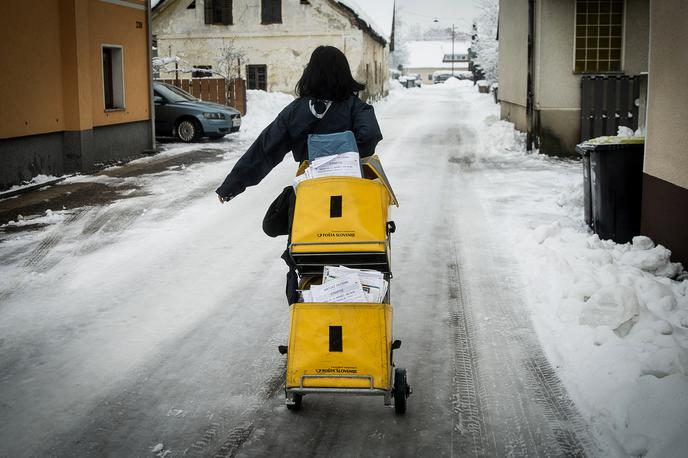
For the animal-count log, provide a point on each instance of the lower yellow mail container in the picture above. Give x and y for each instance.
(340, 345)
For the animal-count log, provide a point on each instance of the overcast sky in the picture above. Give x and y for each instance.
(460, 12)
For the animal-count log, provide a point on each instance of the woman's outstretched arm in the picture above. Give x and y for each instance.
(264, 154)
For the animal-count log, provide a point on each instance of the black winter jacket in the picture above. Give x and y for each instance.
(289, 132)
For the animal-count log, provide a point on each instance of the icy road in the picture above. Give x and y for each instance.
(149, 325)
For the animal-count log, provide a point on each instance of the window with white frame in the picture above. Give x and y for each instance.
(599, 36)
(113, 77)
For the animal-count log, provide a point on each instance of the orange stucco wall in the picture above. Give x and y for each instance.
(52, 70)
(30, 86)
(115, 25)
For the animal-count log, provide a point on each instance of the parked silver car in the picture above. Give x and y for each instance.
(179, 114)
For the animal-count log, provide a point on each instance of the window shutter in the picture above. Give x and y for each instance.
(208, 10)
(264, 11)
(277, 11)
(226, 12)
(271, 11)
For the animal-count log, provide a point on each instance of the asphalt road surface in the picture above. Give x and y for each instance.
(181, 350)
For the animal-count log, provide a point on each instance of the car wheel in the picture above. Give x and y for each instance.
(188, 130)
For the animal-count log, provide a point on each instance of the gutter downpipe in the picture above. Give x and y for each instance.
(531, 67)
(151, 105)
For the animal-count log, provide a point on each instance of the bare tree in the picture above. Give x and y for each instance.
(230, 60)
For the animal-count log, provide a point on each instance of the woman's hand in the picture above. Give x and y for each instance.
(224, 199)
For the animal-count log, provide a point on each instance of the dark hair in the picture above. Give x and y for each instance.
(328, 76)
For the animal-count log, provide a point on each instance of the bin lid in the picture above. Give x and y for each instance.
(610, 143)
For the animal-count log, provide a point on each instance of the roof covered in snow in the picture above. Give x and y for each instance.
(377, 14)
(430, 54)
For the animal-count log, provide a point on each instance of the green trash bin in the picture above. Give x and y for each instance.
(615, 185)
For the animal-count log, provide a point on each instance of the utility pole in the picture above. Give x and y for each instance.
(452, 58)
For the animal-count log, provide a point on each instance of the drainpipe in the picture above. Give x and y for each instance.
(151, 105)
(531, 67)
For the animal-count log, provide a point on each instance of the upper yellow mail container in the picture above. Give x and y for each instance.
(340, 214)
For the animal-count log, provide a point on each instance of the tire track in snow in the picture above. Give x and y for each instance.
(37, 258)
(526, 407)
(224, 442)
(468, 413)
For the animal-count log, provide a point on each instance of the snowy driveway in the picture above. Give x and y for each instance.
(149, 326)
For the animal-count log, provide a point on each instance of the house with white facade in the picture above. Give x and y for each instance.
(276, 37)
(431, 57)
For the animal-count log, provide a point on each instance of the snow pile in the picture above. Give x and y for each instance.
(612, 317)
(618, 325)
(38, 179)
(263, 107)
(49, 217)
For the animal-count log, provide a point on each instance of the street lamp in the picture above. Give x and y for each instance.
(452, 54)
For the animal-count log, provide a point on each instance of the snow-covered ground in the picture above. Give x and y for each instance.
(613, 318)
(135, 292)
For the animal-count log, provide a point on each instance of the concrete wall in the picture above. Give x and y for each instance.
(556, 85)
(665, 184)
(372, 68)
(513, 61)
(667, 136)
(284, 48)
(513, 51)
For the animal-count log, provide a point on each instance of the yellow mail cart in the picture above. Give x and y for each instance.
(343, 348)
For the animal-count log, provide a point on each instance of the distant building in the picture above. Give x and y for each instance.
(278, 37)
(75, 86)
(427, 58)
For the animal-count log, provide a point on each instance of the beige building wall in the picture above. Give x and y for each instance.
(666, 154)
(665, 181)
(513, 61)
(284, 48)
(373, 67)
(556, 85)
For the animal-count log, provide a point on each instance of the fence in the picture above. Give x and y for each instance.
(215, 90)
(607, 102)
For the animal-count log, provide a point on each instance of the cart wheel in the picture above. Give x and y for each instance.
(401, 391)
(296, 405)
